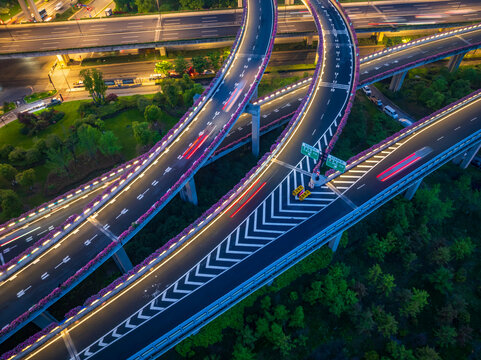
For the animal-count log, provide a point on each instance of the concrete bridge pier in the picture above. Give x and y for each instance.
(44, 319)
(34, 10)
(239, 3)
(289, 2)
(455, 61)
(465, 159)
(397, 81)
(189, 193)
(409, 194)
(334, 242)
(255, 111)
(122, 260)
(25, 10)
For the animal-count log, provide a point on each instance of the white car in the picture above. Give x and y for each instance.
(366, 90)
(58, 6)
(390, 111)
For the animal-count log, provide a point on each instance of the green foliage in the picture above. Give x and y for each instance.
(417, 300)
(109, 144)
(297, 318)
(7, 172)
(427, 353)
(163, 67)
(214, 60)
(142, 134)
(26, 178)
(180, 64)
(445, 336)
(335, 293)
(200, 63)
(10, 204)
(386, 323)
(17, 156)
(191, 4)
(463, 248)
(152, 113)
(378, 248)
(441, 279)
(399, 351)
(88, 139)
(144, 6)
(142, 103)
(94, 83)
(58, 159)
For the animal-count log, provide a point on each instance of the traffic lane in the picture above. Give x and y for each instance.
(85, 40)
(53, 258)
(153, 284)
(270, 112)
(280, 173)
(33, 282)
(13, 243)
(191, 145)
(414, 53)
(439, 136)
(272, 177)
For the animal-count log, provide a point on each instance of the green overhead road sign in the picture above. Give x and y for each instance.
(310, 151)
(336, 164)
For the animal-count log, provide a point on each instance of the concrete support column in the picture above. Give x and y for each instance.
(25, 10)
(34, 10)
(469, 155)
(122, 260)
(162, 51)
(239, 3)
(379, 37)
(189, 193)
(408, 195)
(454, 62)
(70, 345)
(289, 2)
(334, 242)
(63, 59)
(309, 40)
(255, 111)
(44, 319)
(397, 81)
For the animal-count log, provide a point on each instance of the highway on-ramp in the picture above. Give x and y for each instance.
(317, 122)
(186, 153)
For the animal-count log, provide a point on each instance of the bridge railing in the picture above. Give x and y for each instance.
(197, 321)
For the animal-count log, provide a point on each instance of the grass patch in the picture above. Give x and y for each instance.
(39, 96)
(269, 84)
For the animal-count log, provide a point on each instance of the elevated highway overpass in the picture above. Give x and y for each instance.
(135, 32)
(203, 128)
(276, 109)
(297, 96)
(258, 245)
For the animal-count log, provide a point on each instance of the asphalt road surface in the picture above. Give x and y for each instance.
(34, 281)
(215, 24)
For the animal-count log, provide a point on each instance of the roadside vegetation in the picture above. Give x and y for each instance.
(49, 152)
(147, 6)
(426, 89)
(403, 284)
(39, 96)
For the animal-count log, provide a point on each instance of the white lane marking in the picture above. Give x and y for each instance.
(2, 259)
(65, 260)
(22, 292)
(459, 127)
(124, 211)
(361, 186)
(18, 237)
(155, 182)
(44, 276)
(442, 137)
(89, 241)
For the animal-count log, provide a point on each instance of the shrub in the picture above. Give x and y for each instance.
(111, 97)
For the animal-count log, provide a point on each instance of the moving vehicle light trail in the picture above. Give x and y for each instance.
(403, 164)
(250, 197)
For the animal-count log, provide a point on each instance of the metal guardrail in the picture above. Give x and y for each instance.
(194, 323)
